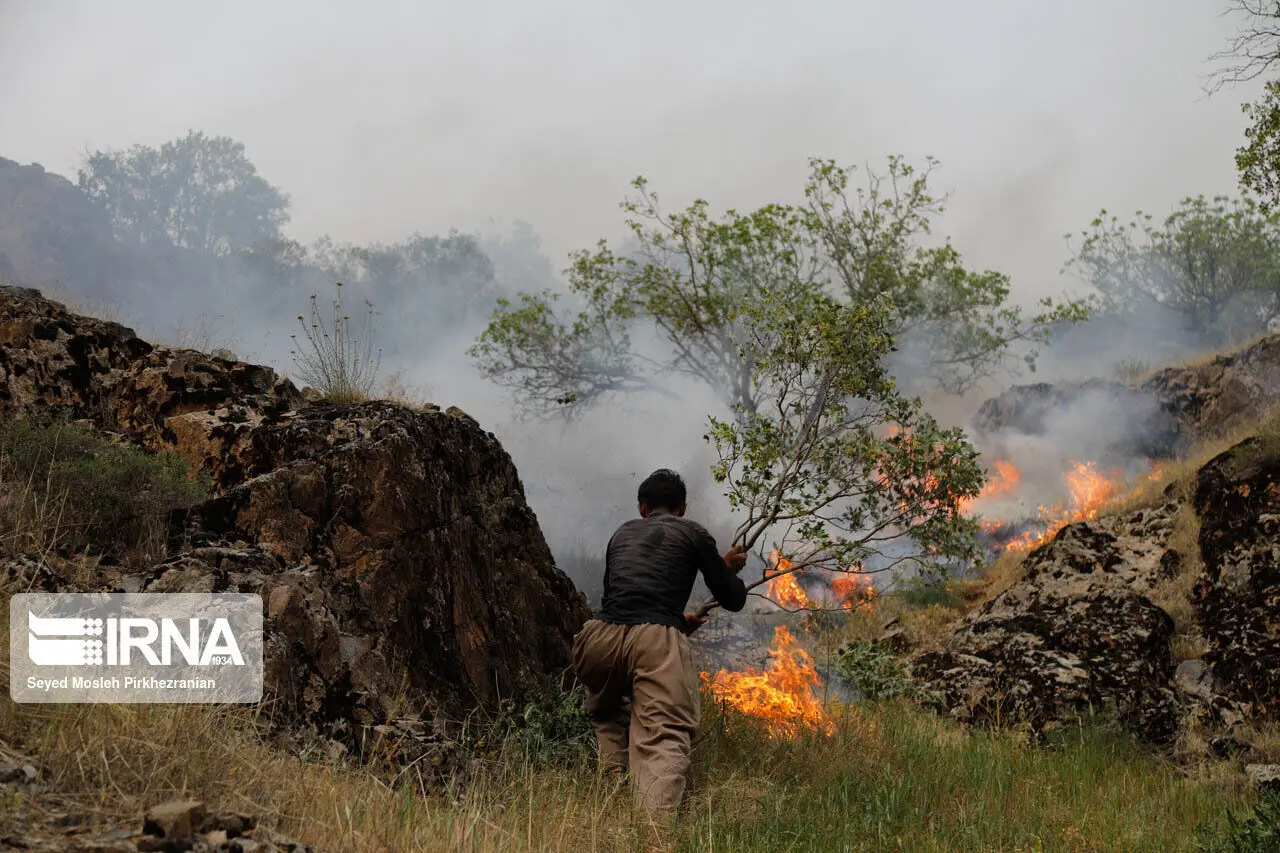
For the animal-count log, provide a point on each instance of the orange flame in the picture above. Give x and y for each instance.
(855, 590)
(1003, 480)
(1089, 491)
(784, 589)
(782, 695)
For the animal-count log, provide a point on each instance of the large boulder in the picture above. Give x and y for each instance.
(402, 570)
(1118, 420)
(1210, 397)
(1237, 601)
(1078, 633)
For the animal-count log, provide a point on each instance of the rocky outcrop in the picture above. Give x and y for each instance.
(1237, 600)
(1208, 398)
(160, 397)
(1155, 419)
(1121, 421)
(1077, 634)
(428, 563)
(404, 575)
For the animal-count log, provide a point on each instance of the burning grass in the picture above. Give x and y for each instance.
(783, 696)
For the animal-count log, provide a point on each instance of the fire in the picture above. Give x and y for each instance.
(784, 589)
(1004, 479)
(783, 695)
(854, 590)
(1089, 490)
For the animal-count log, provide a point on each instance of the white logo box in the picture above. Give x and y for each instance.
(135, 647)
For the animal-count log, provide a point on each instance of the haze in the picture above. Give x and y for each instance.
(399, 116)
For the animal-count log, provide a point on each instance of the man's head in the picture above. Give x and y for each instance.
(662, 490)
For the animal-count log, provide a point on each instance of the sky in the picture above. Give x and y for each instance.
(383, 118)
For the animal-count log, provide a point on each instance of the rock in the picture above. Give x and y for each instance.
(894, 637)
(1266, 777)
(232, 824)
(1129, 422)
(1163, 415)
(419, 547)
(175, 820)
(1194, 678)
(157, 396)
(14, 773)
(1074, 635)
(398, 558)
(1207, 399)
(1237, 600)
(1225, 746)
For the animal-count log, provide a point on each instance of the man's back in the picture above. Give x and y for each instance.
(651, 566)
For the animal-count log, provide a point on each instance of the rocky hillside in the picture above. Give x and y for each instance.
(406, 579)
(1164, 613)
(1157, 417)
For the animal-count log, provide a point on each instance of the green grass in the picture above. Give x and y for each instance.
(66, 488)
(903, 780)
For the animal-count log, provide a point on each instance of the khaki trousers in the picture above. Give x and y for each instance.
(642, 697)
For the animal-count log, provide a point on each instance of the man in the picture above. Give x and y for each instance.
(634, 657)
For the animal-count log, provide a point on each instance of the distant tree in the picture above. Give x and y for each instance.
(1252, 53)
(430, 283)
(198, 192)
(519, 263)
(1214, 262)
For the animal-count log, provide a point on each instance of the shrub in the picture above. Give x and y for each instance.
(1257, 834)
(544, 729)
(63, 487)
(1131, 369)
(341, 367)
(922, 592)
(873, 670)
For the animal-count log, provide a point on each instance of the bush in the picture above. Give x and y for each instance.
(919, 593)
(1131, 369)
(545, 730)
(341, 367)
(1257, 834)
(63, 487)
(873, 670)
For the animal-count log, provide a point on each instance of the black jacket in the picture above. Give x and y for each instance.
(651, 566)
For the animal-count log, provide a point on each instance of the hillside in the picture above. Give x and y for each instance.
(1104, 690)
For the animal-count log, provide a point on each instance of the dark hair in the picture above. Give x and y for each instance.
(663, 489)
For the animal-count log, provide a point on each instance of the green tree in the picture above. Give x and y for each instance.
(788, 315)
(198, 192)
(1258, 160)
(1213, 262)
(434, 282)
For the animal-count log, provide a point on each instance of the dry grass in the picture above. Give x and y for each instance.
(1208, 357)
(396, 388)
(1005, 571)
(890, 777)
(1174, 595)
(1176, 478)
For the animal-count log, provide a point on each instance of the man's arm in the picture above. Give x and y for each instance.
(721, 572)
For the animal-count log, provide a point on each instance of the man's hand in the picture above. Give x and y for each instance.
(735, 558)
(693, 622)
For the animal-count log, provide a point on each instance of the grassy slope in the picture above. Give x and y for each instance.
(890, 778)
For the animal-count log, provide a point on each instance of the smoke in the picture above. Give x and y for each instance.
(396, 119)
